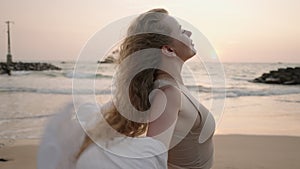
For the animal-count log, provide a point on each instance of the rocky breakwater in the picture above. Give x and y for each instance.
(28, 66)
(286, 76)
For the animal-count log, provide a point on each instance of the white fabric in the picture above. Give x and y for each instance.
(107, 160)
(63, 137)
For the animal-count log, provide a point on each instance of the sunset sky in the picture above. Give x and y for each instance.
(240, 31)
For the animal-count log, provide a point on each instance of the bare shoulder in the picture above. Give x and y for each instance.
(173, 94)
(171, 90)
(164, 110)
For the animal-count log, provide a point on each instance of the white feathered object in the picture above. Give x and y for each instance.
(62, 139)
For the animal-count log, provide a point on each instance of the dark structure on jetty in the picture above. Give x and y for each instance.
(6, 68)
(285, 76)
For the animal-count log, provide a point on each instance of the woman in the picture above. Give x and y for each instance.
(185, 126)
(149, 99)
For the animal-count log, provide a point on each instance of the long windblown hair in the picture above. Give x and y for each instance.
(137, 65)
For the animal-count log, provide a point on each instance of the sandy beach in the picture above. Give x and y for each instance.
(231, 152)
(19, 154)
(265, 135)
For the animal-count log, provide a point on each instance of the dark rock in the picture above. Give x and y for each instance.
(286, 76)
(290, 82)
(272, 80)
(289, 69)
(280, 70)
(264, 76)
(4, 160)
(21, 66)
(258, 80)
(109, 59)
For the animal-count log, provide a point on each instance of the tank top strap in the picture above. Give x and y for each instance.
(161, 83)
(207, 120)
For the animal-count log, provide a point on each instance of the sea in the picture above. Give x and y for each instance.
(29, 98)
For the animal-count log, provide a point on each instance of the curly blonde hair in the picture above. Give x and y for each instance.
(145, 32)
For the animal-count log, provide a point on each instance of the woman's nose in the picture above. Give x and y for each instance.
(188, 33)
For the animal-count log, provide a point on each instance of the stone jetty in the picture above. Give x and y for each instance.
(26, 66)
(109, 59)
(285, 76)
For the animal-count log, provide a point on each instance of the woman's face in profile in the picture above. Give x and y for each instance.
(182, 44)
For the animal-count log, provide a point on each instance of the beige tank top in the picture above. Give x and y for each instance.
(196, 149)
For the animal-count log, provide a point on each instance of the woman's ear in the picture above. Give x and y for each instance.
(168, 51)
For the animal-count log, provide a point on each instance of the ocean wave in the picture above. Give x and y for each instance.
(55, 91)
(198, 88)
(81, 75)
(231, 92)
(20, 73)
(27, 117)
(66, 74)
(244, 79)
(47, 73)
(288, 101)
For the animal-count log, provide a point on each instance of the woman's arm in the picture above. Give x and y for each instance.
(165, 106)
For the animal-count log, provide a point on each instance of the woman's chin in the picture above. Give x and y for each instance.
(194, 51)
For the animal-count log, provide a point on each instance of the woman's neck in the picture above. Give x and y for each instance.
(171, 69)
